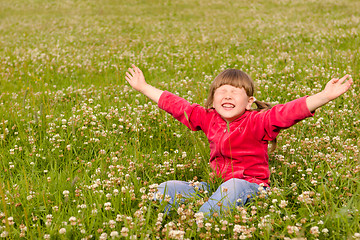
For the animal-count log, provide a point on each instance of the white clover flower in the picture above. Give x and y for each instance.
(62, 231)
(124, 232)
(237, 228)
(103, 236)
(72, 220)
(176, 234)
(315, 231)
(107, 205)
(199, 216)
(114, 234)
(283, 203)
(4, 234)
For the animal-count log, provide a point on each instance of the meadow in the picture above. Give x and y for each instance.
(82, 152)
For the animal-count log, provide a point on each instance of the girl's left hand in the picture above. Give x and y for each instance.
(336, 87)
(136, 78)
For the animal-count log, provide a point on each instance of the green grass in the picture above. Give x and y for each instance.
(69, 122)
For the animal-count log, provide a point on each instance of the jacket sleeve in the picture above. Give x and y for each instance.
(268, 124)
(191, 115)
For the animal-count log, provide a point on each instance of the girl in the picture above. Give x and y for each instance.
(238, 136)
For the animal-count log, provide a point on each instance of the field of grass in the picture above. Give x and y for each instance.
(81, 152)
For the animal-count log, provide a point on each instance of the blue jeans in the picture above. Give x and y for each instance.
(234, 192)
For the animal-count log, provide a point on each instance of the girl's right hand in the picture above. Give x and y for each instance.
(136, 78)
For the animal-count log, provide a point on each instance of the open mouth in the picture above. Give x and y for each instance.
(228, 105)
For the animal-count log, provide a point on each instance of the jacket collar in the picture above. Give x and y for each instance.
(221, 120)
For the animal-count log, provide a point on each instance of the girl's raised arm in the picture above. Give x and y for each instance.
(136, 79)
(333, 89)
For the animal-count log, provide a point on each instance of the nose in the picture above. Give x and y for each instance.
(227, 97)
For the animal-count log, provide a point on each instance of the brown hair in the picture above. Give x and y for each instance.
(240, 79)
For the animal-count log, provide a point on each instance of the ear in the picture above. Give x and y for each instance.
(250, 102)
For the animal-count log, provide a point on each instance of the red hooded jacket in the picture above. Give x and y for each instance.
(240, 149)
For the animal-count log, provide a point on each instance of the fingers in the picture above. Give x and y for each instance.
(128, 76)
(131, 71)
(341, 80)
(349, 82)
(137, 70)
(334, 80)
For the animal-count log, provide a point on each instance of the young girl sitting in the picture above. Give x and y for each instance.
(238, 136)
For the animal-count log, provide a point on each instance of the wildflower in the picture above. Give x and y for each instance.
(153, 187)
(199, 216)
(176, 234)
(107, 206)
(108, 196)
(112, 223)
(49, 217)
(167, 198)
(103, 236)
(4, 234)
(283, 203)
(237, 228)
(114, 234)
(11, 221)
(292, 229)
(208, 226)
(119, 217)
(223, 223)
(62, 231)
(66, 193)
(72, 220)
(124, 232)
(315, 231)
(23, 228)
(46, 236)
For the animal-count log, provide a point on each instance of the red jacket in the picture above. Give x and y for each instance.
(242, 150)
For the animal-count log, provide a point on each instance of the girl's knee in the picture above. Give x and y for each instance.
(235, 183)
(171, 183)
(240, 183)
(172, 186)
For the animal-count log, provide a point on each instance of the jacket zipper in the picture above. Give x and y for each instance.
(221, 144)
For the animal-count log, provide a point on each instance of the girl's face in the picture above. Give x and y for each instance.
(231, 102)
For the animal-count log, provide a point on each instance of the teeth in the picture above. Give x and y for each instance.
(228, 105)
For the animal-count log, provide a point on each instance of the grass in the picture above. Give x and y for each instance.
(80, 150)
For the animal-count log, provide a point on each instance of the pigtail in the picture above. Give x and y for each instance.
(263, 106)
